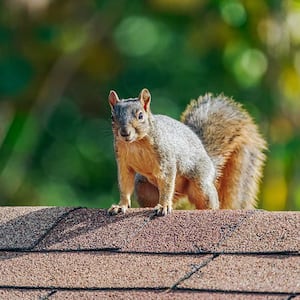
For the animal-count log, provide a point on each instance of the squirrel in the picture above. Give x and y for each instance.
(214, 156)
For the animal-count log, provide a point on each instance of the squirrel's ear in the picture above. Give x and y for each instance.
(145, 98)
(113, 98)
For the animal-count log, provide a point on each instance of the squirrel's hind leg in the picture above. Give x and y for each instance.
(146, 194)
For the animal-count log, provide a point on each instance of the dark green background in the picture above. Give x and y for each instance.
(59, 60)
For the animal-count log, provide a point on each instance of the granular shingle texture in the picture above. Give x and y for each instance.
(249, 273)
(79, 253)
(24, 226)
(15, 294)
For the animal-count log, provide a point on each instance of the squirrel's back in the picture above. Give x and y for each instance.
(234, 144)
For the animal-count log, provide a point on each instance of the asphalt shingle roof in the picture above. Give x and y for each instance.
(70, 253)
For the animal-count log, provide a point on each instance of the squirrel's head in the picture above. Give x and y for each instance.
(130, 117)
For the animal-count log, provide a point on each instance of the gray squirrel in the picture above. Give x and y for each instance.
(214, 156)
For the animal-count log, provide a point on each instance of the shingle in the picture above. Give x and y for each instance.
(22, 227)
(192, 231)
(83, 253)
(16, 294)
(266, 232)
(94, 229)
(153, 295)
(248, 273)
(90, 270)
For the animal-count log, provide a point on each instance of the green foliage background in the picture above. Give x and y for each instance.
(59, 59)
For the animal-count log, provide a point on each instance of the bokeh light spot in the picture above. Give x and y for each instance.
(293, 21)
(248, 65)
(233, 12)
(138, 36)
(289, 83)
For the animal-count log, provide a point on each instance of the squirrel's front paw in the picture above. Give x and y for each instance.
(115, 209)
(161, 210)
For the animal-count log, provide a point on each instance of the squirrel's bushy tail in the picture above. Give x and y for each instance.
(234, 144)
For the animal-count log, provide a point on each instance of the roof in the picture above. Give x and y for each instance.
(69, 253)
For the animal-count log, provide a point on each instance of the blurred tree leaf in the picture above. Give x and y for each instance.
(16, 74)
(11, 138)
(65, 121)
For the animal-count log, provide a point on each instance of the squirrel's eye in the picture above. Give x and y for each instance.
(140, 116)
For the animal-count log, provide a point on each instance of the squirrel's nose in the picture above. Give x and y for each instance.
(124, 132)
